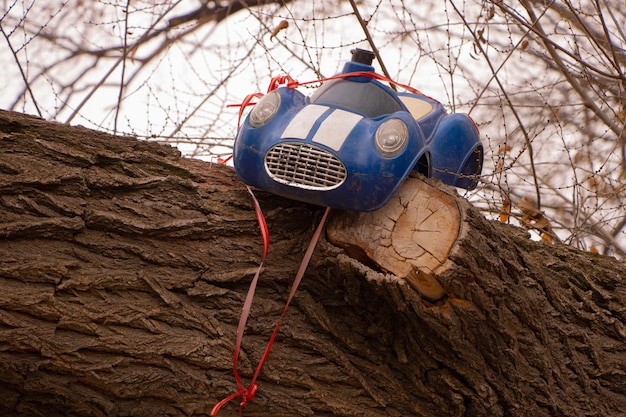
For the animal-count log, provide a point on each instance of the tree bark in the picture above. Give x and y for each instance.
(124, 267)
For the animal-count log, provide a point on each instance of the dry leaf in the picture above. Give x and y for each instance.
(282, 25)
(506, 211)
(578, 156)
(621, 114)
(480, 33)
(529, 208)
(132, 53)
(504, 148)
(535, 219)
(542, 223)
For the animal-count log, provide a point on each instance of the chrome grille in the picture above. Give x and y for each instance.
(305, 166)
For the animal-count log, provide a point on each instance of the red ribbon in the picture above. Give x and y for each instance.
(289, 82)
(247, 394)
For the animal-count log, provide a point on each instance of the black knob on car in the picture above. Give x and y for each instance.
(362, 56)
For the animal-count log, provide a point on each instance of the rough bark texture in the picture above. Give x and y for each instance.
(123, 270)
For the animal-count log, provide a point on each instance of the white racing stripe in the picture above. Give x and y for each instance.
(300, 126)
(335, 129)
(332, 132)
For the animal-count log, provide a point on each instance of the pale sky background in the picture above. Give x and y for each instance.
(180, 97)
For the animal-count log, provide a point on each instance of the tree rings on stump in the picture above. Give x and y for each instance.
(410, 237)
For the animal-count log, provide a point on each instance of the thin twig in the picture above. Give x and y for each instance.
(22, 73)
(370, 40)
(124, 57)
(510, 104)
(537, 28)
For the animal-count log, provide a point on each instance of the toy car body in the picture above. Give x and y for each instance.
(352, 143)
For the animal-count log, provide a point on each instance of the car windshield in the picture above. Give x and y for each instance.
(367, 98)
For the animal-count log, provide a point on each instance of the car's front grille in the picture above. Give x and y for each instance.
(305, 166)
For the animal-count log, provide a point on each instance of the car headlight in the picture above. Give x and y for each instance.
(391, 138)
(265, 109)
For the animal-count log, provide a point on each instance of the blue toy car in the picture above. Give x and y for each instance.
(352, 143)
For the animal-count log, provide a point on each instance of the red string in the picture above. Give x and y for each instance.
(281, 79)
(289, 82)
(368, 74)
(296, 282)
(246, 102)
(247, 394)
